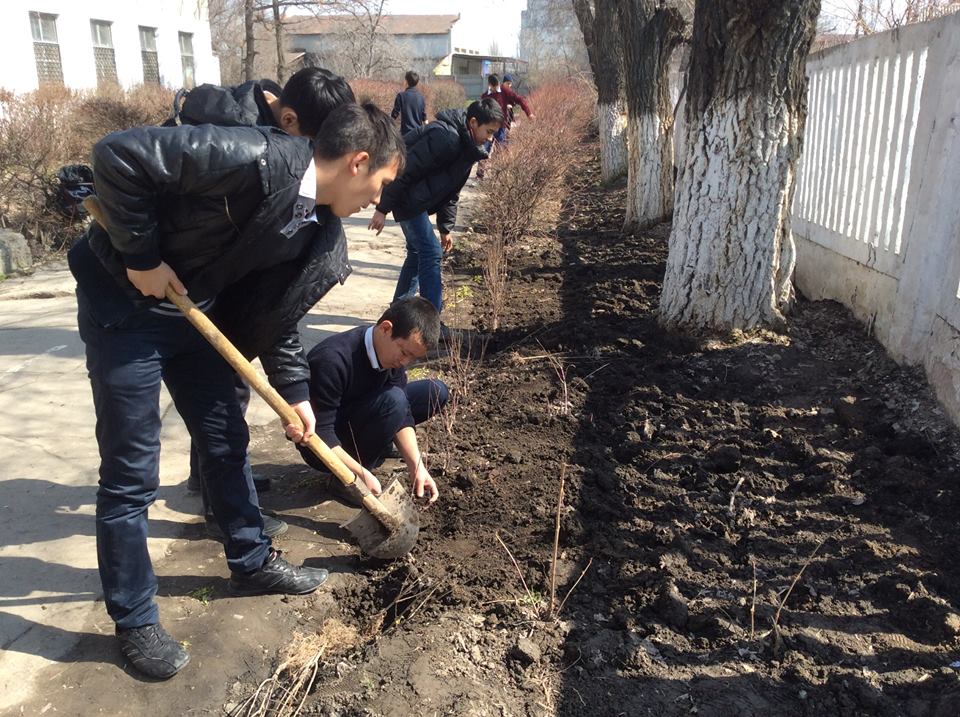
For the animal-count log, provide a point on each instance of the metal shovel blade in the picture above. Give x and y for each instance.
(373, 537)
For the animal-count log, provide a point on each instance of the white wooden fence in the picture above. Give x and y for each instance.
(876, 214)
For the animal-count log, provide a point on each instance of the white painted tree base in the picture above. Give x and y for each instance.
(650, 182)
(731, 251)
(612, 119)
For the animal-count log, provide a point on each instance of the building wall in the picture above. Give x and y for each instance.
(170, 17)
(875, 215)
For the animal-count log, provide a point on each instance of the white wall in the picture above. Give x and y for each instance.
(877, 211)
(170, 17)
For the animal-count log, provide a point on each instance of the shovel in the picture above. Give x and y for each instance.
(384, 528)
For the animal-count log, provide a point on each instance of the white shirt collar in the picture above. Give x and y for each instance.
(308, 185)
(371, 352)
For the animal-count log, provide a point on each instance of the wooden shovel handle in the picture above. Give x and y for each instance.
(263, 388)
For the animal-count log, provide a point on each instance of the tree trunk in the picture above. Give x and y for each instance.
(612, 117)
(731, 251)
(278, 35)
(251, 41)
(650, 34)
(601, 36)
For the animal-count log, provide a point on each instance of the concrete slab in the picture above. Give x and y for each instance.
(49, 587)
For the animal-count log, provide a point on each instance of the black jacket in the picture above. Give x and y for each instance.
(440, 156)
(239, 106)
(411, 108)
(211, 202)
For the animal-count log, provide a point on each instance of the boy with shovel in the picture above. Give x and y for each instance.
(199, 208)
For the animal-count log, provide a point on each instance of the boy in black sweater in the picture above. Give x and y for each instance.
(362, 400)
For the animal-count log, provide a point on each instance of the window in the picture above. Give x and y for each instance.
(148, 52)
(46, 48)
(186, 55)
(103, 55)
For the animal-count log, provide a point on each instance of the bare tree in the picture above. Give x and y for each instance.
(869, 16)
(731, 253)
(249, 18)
(651, 30)
(601, 35)
(551, 41)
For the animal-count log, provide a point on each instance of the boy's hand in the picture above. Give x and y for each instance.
(305, 411)
(376, 224)
(371, 481)
(425, 485)
(153, 282)
(446, 242)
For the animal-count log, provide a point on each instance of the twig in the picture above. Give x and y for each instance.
(796, 579)
(556, 540)
(733, 497)
(517, 566)
(753, 603)
(570, 591)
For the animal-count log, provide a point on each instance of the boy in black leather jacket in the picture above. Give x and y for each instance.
(199, 208)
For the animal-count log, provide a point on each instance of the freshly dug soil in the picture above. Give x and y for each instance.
(760, 525)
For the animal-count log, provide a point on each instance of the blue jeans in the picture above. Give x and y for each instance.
(421, 268)
(366, 427)
(126, 364)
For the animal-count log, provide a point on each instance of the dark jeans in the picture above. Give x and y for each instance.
(243, 398)
(421, 268)
(126, 364)
(366, 428)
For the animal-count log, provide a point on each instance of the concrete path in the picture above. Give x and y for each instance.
(48, 456)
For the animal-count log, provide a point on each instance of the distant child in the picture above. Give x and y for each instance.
(505, 97)
(410, 106)
(440, 156)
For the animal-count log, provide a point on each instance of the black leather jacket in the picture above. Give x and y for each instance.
(440, 156)
(211, 202)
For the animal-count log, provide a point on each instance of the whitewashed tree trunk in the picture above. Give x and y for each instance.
(613, 140)
(731, 254)
(650, 182)
(650, 32)
(732, 218)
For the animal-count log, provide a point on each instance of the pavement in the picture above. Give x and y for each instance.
(49, 586)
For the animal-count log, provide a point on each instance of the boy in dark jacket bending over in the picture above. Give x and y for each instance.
(199, 208)
(290, 290)
(362, 400)
(440, 156)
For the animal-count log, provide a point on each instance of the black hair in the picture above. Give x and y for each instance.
(410, 314)
(361, 128)
(486, 111)
(313, 93)
(493, 80)
(412, 78)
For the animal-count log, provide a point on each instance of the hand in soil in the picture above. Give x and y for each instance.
(424, 485)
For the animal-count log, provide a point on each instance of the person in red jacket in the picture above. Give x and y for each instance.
(506, 98)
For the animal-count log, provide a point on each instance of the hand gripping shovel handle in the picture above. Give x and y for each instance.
(267, 392)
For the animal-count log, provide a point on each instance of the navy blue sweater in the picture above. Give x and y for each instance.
(341, 374)
(411, 108)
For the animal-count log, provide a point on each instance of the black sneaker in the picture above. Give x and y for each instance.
(152, 651)
(277, 576)
(272, 527)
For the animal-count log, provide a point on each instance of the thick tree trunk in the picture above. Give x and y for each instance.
(731, 251)
(650, 34)
(601, 35)
(612, 117)
(250, 40)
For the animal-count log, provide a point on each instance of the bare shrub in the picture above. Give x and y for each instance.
(528, 174)
(438, 94)
(380, 93)
(43, 130)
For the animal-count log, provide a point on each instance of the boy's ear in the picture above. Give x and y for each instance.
(386, 326)
(473, 123)
(358, 160)
(289, 122)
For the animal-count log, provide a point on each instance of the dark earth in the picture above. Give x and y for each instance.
(760, 524)
(767, 522)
